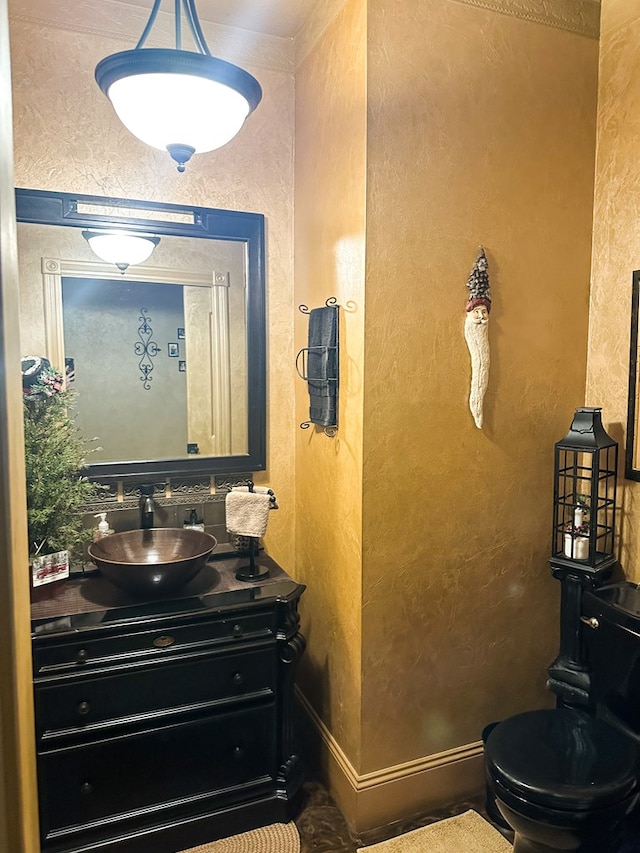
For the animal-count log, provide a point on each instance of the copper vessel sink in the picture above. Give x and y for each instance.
(152, 562)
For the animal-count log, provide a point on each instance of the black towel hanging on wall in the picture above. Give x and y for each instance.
(320, 365)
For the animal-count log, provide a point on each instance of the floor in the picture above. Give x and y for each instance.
(323, 829)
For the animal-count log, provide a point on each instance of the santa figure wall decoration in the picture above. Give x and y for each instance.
(476, 333)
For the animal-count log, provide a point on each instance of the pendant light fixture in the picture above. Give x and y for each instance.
(183, 101)
(121, 248)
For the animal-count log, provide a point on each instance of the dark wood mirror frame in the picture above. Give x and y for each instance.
(52, 208)
(632, 452)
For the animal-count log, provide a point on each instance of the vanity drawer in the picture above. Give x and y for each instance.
(87, 704)
(57, 657)
(133, 780)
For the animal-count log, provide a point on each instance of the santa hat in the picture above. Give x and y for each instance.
(32, 367)
(478, 283)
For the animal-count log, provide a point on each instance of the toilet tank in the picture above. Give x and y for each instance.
(612, 645)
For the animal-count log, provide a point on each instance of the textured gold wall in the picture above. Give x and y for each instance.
(481, 130)
(616, 243)
(67, 138)
(329, 261)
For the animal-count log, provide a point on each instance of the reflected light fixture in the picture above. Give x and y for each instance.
(120, 247)
(182, 101)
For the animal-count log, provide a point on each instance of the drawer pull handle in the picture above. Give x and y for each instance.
(238, 753)
(86, 788)
(238, 678)
(237, 630)
(164, 642)
(84, 708)
(82, 656)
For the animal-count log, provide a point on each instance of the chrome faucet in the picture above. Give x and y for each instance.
(147, 507)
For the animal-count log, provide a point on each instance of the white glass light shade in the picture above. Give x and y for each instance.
(174, 109)
(177, 100)
(121, 248)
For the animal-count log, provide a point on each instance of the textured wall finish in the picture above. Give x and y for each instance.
(67, 138)
(283, 18)
(616, 243)
(125, 22)
(481, 131)
(314, 27)
(577, 16)
(329, 251)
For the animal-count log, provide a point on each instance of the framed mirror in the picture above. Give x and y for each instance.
(167, 356)
(632, 451)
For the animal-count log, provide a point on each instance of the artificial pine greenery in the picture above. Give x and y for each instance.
(54, 455)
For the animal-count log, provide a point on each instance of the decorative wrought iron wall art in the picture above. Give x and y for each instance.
(319, 365)
(146, 348)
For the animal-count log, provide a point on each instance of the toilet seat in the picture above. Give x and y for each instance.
(560, 764)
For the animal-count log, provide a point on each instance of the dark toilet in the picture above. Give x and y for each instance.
(569, 778)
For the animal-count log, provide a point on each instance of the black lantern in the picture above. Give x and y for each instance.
(585, 470)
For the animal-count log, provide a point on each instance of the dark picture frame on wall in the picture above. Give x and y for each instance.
(632, 450)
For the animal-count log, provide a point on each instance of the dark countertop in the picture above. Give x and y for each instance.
(93, 601)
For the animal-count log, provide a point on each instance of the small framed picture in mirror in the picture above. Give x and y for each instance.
(174, 350)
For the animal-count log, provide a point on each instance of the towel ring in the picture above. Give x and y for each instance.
(303, 374)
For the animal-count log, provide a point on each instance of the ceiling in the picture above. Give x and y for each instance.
(283, 18)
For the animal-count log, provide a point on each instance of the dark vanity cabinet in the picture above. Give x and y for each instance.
(164, 725)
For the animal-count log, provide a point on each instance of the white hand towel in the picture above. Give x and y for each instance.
(247, 512)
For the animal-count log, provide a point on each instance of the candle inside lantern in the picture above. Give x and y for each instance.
(576, 538)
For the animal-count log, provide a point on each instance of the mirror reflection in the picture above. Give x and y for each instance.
(165, 356)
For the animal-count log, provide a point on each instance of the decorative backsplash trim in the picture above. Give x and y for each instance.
(134, 503)
(576, 16)
(212, 489)
(225, 484)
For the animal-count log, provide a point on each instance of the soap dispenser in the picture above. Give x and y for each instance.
(103, 528)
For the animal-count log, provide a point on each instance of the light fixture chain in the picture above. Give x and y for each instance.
(178, 16)
(192, 19)
(194, 25)
(150, 23)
